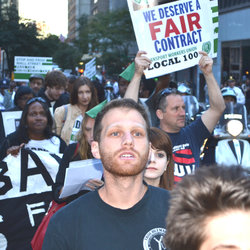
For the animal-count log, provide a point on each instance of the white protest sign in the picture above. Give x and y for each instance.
(90, 68)
(78, 174)
(172, 34)
(11, 121)
(25, 66)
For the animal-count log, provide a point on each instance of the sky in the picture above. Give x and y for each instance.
(53, 12)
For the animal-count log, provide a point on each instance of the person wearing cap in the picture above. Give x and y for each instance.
(170, 109)
(23, 94)
(109, 91)
(229, 95)
(77, 151)
(5, 97)
(239, 94)
(36, 82)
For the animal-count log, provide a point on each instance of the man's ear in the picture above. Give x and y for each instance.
(159, 114)
(95, 149)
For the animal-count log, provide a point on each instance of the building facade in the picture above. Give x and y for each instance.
(233, 57)
(76, 8)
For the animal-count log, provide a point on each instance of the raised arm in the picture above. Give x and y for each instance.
(217, 104)
(141, 63)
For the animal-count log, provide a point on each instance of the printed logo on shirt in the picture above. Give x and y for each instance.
(153, 240)
(184, 161)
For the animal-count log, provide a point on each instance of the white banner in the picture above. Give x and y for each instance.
(90, 68)
(25, 66)
(172, 34)
(11, 120)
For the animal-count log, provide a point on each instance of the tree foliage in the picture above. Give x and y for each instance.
(109, 35)
(23, 39)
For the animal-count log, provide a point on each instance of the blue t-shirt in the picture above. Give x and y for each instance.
(91, 224)
(186, 148)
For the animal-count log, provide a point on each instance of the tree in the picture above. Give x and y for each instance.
(111, 35)
(67, 56)
(15, 38)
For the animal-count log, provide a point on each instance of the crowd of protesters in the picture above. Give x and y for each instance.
(136, 127)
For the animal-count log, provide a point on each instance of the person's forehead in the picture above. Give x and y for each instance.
(174, 100)
(118, 116)
(89, 122)
(26, 95)
(84, 87)
(35, 105)
(36, 79)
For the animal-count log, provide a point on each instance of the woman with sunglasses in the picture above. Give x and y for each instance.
(160, 169)
(68, 118)
(34, 131)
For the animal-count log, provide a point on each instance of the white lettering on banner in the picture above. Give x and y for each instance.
(1, 218)
(28, 178)
(180, 170)
(35, 209)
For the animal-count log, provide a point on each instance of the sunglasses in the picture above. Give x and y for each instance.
(165, 92)
(35, 99)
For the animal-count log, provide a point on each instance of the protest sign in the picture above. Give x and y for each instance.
(11, 121)
(172, 34)
(25, 66)
(25, 194)
(90, 68)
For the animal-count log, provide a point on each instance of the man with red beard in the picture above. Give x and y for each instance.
(125, 213)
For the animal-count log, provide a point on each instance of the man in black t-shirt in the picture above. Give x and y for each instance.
(124, 213)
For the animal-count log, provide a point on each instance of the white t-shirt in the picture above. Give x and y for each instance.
(239, 95)
(1, 102)
(76, 128)
(51, 145)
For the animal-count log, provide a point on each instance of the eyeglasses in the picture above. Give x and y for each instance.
(165, 92)
(35, 99)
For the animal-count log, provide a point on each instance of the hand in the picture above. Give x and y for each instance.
(205, 63)
(94, 183)
(14, 150)
(141, 62)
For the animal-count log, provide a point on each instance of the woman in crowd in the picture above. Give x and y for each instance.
(80, 150)
(34, 131)
(68, 118)
(160, 169)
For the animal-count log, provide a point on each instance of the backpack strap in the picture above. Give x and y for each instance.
(65, 112)
(76, 150)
